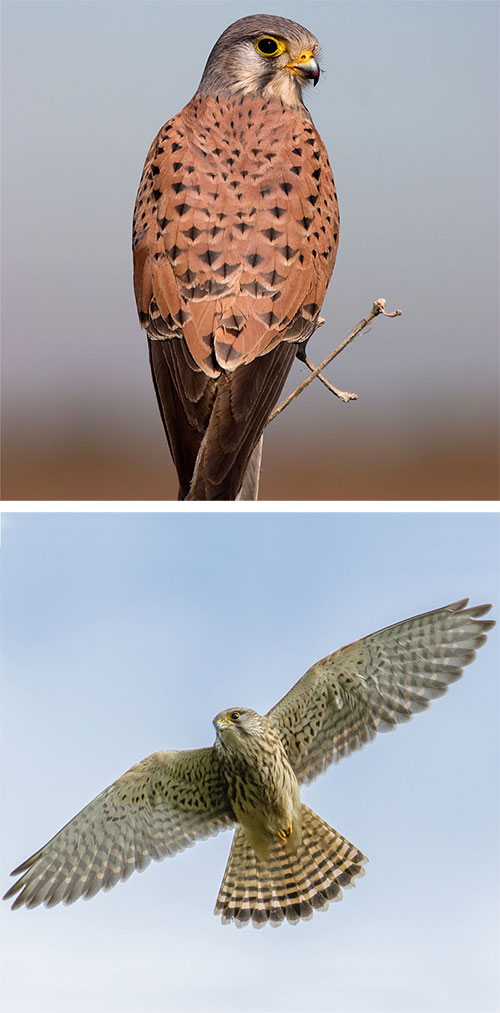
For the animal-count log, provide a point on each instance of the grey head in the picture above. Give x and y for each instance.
(262, 56)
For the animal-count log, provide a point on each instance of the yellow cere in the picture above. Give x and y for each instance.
(303, 57)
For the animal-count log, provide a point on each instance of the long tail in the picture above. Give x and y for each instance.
(287, 886)
(214, 425)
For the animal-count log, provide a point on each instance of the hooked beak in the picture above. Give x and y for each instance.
(221, 722)
(306, 66)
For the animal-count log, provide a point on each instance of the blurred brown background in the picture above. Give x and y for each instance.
(429, 464)
(411, 125)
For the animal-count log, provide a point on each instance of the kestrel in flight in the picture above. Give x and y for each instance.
(285, 861)
(235, 236)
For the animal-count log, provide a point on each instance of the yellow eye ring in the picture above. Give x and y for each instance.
(235, 716)
(267, 45)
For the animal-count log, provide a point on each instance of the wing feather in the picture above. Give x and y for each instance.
(376, 683)
(235, 229)
(157, 808)
(235, 238)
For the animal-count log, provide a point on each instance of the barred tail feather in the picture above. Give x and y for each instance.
(287, 886)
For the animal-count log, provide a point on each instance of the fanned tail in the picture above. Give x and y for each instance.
(287, 886)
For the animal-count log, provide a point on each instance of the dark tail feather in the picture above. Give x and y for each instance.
(214, 425)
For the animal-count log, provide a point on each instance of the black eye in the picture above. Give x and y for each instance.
(235, 716)
(268, 46)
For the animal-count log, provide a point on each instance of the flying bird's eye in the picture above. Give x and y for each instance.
(235, 716)
(268, 46)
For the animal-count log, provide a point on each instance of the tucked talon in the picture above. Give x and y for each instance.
(250, 778)
(285, 834)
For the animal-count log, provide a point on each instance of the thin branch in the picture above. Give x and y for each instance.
(344, 395)
(377, 308)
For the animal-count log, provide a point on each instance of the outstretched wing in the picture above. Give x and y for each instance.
(159, 807)
(374, 684)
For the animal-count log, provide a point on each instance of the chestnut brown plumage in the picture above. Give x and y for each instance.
(235, 237)
(285, 861)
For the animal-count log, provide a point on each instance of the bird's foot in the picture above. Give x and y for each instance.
(284, 834)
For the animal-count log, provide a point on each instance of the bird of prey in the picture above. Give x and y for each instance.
(235, 236)
(285, 861)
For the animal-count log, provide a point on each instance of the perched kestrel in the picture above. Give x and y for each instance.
(285, 861)
(235, 236)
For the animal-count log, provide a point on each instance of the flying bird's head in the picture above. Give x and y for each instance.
(262, 56)
(238, 727)
(237, 721)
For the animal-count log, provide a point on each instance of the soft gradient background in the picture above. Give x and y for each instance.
(124, 634)
(408, 109)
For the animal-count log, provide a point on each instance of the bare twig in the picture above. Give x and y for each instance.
(316, 371)
(344, 395)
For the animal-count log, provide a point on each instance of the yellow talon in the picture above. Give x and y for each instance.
(284, 834)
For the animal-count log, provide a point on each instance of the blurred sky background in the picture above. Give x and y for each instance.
(408, 109)
(124, 634)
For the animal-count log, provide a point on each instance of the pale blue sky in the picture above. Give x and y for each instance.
(124, 634)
